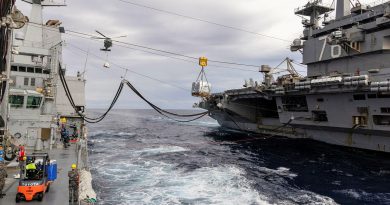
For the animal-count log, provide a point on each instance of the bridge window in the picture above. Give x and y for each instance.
(38, 70)
(46, 71)
(22, 69)
(32, 83)
(14, 68)
(33, 102)
(16, 101)
(26, 81)
(30, 70)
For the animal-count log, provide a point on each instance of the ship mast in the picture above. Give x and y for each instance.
(35, 33)
(313, 9)
(343, 8)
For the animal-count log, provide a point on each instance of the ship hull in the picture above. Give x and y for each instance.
(362, 139)
(335, 118)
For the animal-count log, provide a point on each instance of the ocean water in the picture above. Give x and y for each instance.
(141, 158)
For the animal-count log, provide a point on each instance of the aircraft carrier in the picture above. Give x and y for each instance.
(345, 97)
(34, 105)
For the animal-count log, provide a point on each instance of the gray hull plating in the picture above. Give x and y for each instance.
(335, 137)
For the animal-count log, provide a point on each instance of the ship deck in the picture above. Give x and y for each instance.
(58, 193)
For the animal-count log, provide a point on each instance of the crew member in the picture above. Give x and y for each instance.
(65, 136)
(22, 158)
(31, 169)
(39, 167)
(22, 152)
(22, 166)
(74, 180)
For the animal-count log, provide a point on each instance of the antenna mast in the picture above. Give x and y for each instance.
(343, 8)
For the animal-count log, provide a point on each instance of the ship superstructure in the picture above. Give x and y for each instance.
(345, 98)
(35, 107)
(36, 98)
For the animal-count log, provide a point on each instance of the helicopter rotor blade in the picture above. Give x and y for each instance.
(124, 36)
(101, 33)
(94, 37)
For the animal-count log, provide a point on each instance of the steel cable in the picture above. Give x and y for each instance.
(203, 20)
(121, 43)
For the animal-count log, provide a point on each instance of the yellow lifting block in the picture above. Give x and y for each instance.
(63, 120)
(203, 61)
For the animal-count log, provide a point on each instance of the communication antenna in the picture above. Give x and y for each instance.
(124, 76)
(85, 65)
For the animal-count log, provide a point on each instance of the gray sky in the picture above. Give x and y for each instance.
(163, 31)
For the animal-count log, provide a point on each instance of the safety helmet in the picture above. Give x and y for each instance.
(24, 158)
(74, 166)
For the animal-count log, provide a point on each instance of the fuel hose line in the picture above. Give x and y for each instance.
(70, 98)
(161, 111)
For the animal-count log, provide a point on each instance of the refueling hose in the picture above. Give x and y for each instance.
(70, 98)
(166, 113)
(161, 111)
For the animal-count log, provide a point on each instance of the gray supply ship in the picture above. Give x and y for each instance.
(34, 104)
(345, 97)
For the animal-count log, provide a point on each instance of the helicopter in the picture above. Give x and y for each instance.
(107, 41)
(107, 44)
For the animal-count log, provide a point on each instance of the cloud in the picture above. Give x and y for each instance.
(173, 33)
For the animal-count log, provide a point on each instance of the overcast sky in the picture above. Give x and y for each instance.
(163, 31)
